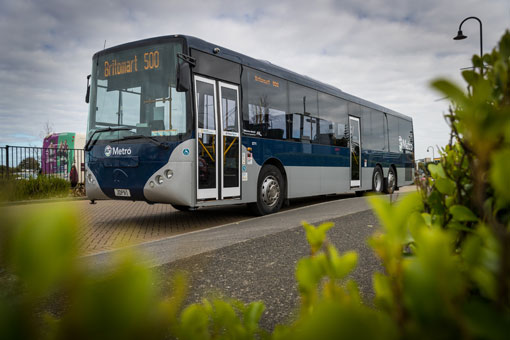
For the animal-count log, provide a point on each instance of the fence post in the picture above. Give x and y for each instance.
(7, 159)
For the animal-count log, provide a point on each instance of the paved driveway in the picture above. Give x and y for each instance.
(108, 225)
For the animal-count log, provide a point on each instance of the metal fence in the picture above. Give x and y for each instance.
(22, 162)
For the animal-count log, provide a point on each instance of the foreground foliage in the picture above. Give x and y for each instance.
(452, 280)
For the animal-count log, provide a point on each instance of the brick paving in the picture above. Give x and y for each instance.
(108, 225)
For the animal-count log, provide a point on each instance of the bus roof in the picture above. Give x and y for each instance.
(261, 65)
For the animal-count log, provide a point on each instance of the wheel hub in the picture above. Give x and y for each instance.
(391, 180)
(378, 182)
(270, 191)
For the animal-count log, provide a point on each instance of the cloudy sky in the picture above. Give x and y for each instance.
(385, 51)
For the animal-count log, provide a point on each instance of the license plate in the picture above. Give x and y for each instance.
(122, 192)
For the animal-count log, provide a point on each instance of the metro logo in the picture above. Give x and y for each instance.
(404, 144)
(116, 151)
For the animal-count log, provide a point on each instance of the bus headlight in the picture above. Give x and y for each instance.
(90, 178)
(159, 179)
(169, 173)
(152, 184)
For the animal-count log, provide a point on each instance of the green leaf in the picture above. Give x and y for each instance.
(341, 265)
(194, 323)
(42, 250)
(499, 174)
(450, 90)
(427, 218)
(470, 76)
(445, 186)
(436, 171)
(252, 315)
(316, 235)
(462, 213)
(309, 272)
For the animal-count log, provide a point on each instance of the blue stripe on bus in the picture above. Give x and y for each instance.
(316, 155)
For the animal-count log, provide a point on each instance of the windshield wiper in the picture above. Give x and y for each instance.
(151, 139)
(89, 146)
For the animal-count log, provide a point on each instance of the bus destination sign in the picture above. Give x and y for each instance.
(116, 67)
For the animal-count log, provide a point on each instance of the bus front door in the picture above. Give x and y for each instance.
(355, 144)
(218, 139)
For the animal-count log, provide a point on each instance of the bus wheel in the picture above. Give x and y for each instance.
(180, 207)
(269, 191)
(391, 182)
(378, 180)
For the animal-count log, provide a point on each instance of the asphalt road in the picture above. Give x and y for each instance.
(255, 259)
(263, 268)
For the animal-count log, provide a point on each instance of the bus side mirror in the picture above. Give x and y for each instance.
(183, 77)
(87, 96)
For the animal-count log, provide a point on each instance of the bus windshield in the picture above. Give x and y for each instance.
(135, 88)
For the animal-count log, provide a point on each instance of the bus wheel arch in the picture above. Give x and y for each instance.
(277, 163)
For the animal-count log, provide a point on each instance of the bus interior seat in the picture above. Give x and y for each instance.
(275, 133)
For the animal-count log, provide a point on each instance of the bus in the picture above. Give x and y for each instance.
(178, 120)
(60, 152)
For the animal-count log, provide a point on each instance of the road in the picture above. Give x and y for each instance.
(254, 259)
(263, 268)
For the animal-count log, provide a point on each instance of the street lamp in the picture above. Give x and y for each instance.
(433, 153)
(461, 36)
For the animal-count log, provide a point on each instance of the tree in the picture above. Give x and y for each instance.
(29, 163)
(47, 129)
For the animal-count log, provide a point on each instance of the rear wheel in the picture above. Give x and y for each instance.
(378, 180)
(270, 191)
(391, 182)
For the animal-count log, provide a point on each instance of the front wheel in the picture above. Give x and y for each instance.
(391, 182)
(270, 191)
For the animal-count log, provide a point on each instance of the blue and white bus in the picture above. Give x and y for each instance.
(179, 120)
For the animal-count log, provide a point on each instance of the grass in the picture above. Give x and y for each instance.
(33, 188)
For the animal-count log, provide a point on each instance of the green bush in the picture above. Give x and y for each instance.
(33, 188)
(453, 283)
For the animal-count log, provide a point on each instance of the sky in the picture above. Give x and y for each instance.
(386, 52)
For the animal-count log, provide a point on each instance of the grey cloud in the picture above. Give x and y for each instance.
(384, 51)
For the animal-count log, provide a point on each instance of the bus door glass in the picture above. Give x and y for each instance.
(355, 143)
(207, 169)
(230, 140)
(218, 139)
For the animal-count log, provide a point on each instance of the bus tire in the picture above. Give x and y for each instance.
(378, 180)
(270, 191)
(180, 207)
(391, 181)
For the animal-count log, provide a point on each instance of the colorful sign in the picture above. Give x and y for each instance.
(58, 155)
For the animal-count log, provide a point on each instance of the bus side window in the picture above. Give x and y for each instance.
(393, 133)
(334, 111)
(326, 135)
(265, 104)
(303, 103)
(296, 126)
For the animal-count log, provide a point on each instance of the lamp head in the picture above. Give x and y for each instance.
(460, 36)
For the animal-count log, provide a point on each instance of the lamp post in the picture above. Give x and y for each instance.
(433, 153)
(461, 36)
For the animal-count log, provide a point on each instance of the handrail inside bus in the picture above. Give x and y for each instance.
(205, 148)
